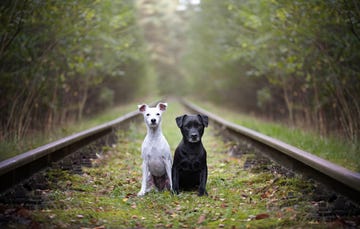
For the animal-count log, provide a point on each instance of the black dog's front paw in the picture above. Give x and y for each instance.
(175, 192)
(203, 193)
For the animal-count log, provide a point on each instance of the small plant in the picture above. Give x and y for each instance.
(105, 196)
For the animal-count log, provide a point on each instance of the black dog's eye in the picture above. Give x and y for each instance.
(157, 114)
(147, 114)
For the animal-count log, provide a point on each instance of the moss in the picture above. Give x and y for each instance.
(106, 195)
(330, 147)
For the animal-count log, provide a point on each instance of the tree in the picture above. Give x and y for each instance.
(295, 58)
(61, 60)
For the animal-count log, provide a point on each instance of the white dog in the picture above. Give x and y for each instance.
(155, 151)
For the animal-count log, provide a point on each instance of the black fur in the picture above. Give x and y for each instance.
(189, 170)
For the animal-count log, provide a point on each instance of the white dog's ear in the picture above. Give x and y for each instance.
(142, 107)
(162, 106)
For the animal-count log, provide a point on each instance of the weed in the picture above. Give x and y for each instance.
(13, 147)
(331, 148)
(105, 196)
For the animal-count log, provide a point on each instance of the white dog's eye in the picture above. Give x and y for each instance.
(157, 114)
(147, 114)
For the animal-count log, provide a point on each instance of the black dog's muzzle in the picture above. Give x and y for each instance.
(194, 137)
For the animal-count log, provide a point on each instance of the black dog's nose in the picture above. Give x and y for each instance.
(194, 136)
(153, 120)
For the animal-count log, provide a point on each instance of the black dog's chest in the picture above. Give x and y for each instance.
(191, 162)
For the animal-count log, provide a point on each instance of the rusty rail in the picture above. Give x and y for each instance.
(342, 180)
(19, 168)
(336, 177)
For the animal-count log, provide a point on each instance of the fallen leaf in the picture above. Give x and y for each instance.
(129, 195)
(201, 219)
(23, 212)
(223, 205)
(169, 212)
(34, 225)
(100, 227)
(93, 221)
(265, 195)
(262, 216)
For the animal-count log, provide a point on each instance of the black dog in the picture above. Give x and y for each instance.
(189, 170)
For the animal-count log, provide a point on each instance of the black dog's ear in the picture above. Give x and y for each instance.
(179, 120)
(204, 119)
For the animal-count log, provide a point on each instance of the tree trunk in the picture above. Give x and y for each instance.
(288, 102)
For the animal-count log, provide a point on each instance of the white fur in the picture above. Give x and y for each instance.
(155, 150)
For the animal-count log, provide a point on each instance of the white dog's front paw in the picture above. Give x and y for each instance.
(141, 193)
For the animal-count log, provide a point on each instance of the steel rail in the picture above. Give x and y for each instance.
(336, 177)
(19, 168)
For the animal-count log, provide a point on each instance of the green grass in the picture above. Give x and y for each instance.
(330, 148)
(105, 195)
(12, 148)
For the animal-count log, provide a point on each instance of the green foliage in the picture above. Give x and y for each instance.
(105, 196)
(295, 59)
(12, 147)
(164, 31)
(61, 60)
(331, 148)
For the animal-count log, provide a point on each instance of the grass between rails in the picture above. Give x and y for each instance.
(330, 148)
(105, 195)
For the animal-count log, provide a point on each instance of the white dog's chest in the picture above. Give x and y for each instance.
(156, 167)
(155, 154)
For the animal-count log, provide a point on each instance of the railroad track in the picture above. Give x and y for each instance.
(22, 167)
(336, 177)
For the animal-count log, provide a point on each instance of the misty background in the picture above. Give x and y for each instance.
(295, 62)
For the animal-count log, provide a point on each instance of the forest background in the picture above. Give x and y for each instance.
(296, 62)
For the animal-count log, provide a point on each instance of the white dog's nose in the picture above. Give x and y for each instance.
(153, 121)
